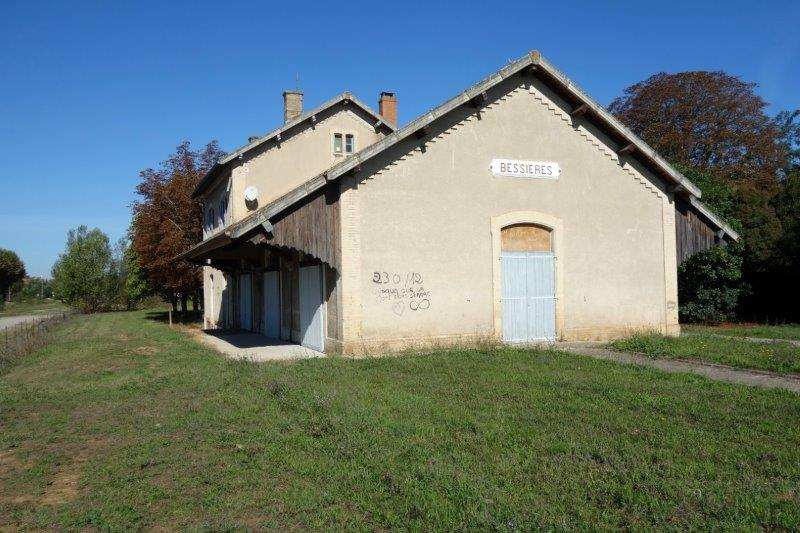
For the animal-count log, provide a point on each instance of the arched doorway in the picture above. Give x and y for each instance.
(528, 283)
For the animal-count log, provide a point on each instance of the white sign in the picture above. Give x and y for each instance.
(549, 170)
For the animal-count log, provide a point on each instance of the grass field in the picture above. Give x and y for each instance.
(778, 357)
(31, 308)
(123, 423)
(784, 331)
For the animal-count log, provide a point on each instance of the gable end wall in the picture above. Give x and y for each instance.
(424, 217)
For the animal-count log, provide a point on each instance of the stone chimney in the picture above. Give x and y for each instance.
(387, 107)
(292, 105)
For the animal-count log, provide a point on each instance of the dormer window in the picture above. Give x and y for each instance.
(344, 143)
(223, 209)
(210, 222)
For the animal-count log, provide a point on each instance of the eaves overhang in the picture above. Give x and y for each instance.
(535, 64)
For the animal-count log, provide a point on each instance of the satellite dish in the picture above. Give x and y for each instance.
(251, 194)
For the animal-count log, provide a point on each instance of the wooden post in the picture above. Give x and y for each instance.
(170, 318)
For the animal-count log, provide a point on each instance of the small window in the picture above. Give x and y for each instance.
(349, 143)
(223, 209)
(211, 221)
(337, 143)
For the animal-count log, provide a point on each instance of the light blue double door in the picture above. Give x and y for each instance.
(528, 296)
(312, 334)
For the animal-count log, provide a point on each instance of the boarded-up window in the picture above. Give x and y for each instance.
(525, 238)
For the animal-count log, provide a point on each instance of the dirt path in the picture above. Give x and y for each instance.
(756, 378)
(11, 321)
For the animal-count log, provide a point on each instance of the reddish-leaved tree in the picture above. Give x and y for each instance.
(167, 221)
(710, 121)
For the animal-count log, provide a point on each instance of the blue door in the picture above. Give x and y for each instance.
(311, 310)
(246, 302)
(272, 305)
(528, 296)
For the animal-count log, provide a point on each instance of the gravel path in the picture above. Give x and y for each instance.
(10, 321)
(756, 378)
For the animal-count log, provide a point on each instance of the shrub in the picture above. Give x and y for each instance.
(710, 285)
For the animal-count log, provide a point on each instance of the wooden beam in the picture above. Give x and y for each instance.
(259, 238)
(422, 132)
(580, 110)
(675, 188)
(478, 100)
(627, 149)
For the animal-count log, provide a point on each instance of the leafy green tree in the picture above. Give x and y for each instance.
(12, 270)
(789, 126)
(717, 194)
(36, 288)
(136, 286)
(787, 205)
(83, 276)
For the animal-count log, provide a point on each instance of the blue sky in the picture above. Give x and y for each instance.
(92, 92)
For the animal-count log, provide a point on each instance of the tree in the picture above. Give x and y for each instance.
(789, 126)
(717, 194)
(83, 276)
(710, 121)
(12, 270)
(134, 285)
(787, 205)
(36, 288)
(167, 221)
(712, 124)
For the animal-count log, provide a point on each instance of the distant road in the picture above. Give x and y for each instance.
(10, 321)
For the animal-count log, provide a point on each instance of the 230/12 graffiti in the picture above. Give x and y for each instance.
(395, 278)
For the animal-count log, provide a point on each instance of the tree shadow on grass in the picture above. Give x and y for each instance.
(187, 318)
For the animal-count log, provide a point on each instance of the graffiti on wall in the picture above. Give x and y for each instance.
(402, 291)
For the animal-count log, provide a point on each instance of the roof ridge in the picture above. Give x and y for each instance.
(531, 59)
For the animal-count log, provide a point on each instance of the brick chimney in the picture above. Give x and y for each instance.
(387, 107)
(292, 105)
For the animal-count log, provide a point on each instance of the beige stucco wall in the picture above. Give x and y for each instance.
(216, 299)
(428, 218)
(278, 168)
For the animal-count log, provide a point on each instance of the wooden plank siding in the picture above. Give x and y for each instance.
(693, 234)
(311, 227)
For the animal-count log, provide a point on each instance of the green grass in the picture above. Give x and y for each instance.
(31, 308)
(776, 357)
(123, 423)
(784, 331)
